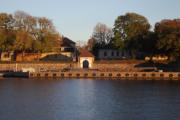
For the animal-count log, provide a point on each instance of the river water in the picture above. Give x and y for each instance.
(88, 99)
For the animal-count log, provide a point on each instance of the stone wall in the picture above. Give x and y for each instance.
(36, 66)
(121, 67)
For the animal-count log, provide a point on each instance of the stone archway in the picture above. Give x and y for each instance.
(85, 64)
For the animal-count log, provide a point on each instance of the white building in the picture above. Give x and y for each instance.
(7, 56)
(86, 59)
(109, 54)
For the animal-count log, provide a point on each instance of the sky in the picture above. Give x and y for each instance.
(76, 19)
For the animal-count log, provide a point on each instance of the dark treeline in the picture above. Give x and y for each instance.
(132, 32)
(22, 32)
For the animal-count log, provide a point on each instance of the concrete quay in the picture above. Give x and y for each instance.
(109, 75)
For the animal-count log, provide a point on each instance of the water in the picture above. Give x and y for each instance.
(28, 99)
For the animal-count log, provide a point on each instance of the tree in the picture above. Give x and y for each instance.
(6, 21)
(47, 35)
(91, 43)
(23, 42)
(7, 39)
(22, 32)
(7, 34)
(128, 31)
(102, 34)
(26, 22)
(40, 29)
(149, 42)
(168, 33)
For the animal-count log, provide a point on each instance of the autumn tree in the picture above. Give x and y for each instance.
(41, 30)
(102, 34)
(168, 33)
(6, 21)
(22, 32)
(7, 40)
(47, 39)
(91, 43)
(47, 35)
(129, 30)
(23, 42)
(26, 22)
(7, 34)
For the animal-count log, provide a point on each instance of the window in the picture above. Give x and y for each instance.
(170, 75)
(118, 75)
(94, 74)
(55, 56)
(144, 75)
(38, 75)
(54, 75)
(78, 75)
(153, 75)
(105, 53)
(85, 75)
(6, 55)
(161, 75)
(102, 74)
(122, 53)
(117, 54)
(62, 75)
(46, 75)
(127, 74)
(70, 74)
(62, 49)
(31, 75)
(112, 54)
(110, 74)
(135, 75)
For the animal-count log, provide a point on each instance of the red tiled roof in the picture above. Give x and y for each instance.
(86, 54)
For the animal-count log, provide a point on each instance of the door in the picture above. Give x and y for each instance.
(85, 64)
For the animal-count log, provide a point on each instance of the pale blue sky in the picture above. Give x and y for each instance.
(77, 18)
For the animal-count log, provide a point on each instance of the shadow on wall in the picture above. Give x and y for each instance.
(145, 64)
(43, 57)
(166, 67)
(56, 57)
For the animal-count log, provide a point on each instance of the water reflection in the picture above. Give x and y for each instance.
(74, 99)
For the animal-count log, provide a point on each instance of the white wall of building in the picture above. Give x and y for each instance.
(89, 59)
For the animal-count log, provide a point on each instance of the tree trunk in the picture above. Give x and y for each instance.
(133, 55)
(171, 58)
(38, 56)
(23, 52)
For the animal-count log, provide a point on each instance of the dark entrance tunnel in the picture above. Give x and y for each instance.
(85, 64)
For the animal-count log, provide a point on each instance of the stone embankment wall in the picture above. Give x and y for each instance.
(109, 75)
(121, 67)
(36, 66)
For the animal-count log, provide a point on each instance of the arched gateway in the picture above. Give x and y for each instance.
(86, 59)
(85, 64)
